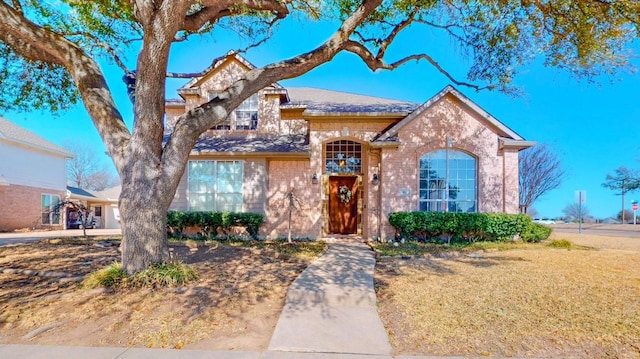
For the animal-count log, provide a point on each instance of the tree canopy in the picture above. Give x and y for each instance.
(622, 181)
(49, 52)
(498, 37)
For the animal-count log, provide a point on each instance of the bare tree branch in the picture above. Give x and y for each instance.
(374, 63)
(540, 172)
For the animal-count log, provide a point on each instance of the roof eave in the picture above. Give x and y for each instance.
(319, 114)
(64, 154)
(385, 144)
(245, 154)
(507, 143)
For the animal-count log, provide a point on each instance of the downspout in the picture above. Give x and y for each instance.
(379, 197)
(504, 182)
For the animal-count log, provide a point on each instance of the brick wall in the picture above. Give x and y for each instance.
(469, 133)
(21, 207)
(285, 176)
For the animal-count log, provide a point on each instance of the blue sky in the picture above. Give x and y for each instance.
(594, 128)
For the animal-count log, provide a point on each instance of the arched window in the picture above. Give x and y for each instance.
(343, 156)
(448, 182)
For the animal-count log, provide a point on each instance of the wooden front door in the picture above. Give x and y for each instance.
(343, 204)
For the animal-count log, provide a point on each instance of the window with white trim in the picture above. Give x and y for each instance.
(244, 117)
(448, 181)
(215, 185)
(50, 209)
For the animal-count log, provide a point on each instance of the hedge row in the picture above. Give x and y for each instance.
(466, 226)
(213, 223)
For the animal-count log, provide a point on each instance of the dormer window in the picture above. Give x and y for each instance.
(244, 117)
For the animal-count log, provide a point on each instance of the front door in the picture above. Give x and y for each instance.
(343, 204)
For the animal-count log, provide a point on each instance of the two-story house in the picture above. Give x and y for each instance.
(350, 159)
(33, 179)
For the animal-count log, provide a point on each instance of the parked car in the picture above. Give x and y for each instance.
(544, 221)
(77, 224)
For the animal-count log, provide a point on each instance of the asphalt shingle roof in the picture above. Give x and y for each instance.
(258, 143)
(13, 132)
(79, 191)
(326, 101)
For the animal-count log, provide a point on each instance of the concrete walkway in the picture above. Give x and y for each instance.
(331, 306)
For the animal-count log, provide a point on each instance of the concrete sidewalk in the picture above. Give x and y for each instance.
(11, 351)
(24, 237)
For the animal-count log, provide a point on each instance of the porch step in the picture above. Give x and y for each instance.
(342, 238)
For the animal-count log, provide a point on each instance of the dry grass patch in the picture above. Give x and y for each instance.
(234, 304)
(526, 302)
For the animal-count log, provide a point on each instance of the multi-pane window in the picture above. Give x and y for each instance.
(50, 209)
(448, 182)
(244, 117)
(215, 185)
(343, 156)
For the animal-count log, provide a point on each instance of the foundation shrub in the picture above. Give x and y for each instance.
(470, 227)
(211, 224)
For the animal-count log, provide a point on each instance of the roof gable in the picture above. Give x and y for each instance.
(503, 130)
(14, 133)
(219, 64)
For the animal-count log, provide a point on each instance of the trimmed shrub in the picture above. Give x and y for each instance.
(458, 226)
(176, 223)
(535, 232)
(213, 223)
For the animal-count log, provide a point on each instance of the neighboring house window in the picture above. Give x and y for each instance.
(244, 117)
(448, 182)
(215, 185)
(343, 156)
(50, 209)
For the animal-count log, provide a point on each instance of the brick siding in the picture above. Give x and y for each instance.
(21, 207)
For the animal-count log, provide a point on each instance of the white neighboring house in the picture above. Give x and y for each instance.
(102, 207)
(33, 179)
(108, 202)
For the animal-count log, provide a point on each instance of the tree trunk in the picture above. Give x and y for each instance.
(147, 191)
(144, 235)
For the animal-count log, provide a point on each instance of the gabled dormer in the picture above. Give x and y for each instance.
(259, 113)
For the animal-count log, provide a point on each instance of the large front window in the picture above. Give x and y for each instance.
(215, 185)
(50, 209)
(448, 182)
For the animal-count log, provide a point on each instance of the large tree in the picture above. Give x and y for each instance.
(622, 181)
(49, 53)
(540, 171)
